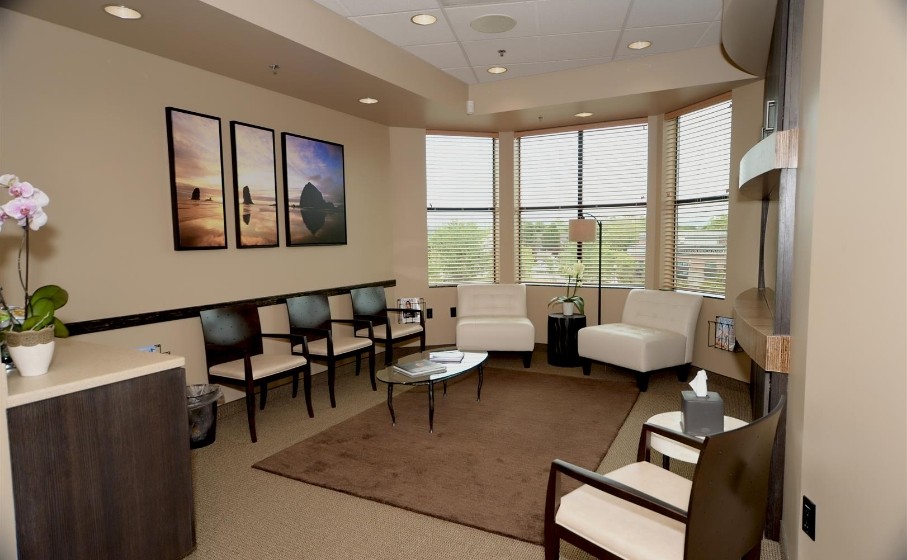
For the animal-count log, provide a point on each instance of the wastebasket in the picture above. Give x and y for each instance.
(202, 402)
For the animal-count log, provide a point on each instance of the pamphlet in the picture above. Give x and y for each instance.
(454, 356)
(420, 367)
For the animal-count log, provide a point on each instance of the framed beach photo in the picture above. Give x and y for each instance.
(196, 180)
(254, 185)
(314, 191)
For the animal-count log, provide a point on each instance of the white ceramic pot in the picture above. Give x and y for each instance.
(31, 351)
(567, 307)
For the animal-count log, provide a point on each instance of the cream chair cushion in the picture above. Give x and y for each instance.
(397, 329)
(263, 365)
(623, 528)
(493, 317)
(342, 345)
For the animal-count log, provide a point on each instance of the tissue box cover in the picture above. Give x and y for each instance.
(701, 416)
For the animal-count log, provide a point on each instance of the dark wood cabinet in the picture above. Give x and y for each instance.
(105, 472)
(562, 339)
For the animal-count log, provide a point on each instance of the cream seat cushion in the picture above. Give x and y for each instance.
(263, 365)
(342, 345)
(632, 346)
(516, 334)
(397, 330)
(623, 528)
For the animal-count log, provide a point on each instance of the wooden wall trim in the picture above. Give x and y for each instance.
(141, 319)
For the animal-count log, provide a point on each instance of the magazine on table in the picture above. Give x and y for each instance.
(420, 367)
(454, 356)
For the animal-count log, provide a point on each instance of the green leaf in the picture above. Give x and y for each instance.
(60, 330)
(53, 293)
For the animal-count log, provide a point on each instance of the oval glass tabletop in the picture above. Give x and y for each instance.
(452, 369)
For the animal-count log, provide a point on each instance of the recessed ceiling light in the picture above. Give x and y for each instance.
(368, 100)
(496, 70)
(493, 23)
(639, 45)
(583, 115)
(122, 12)
(423, 19)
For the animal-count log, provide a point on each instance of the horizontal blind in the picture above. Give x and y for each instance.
(462, 212)
(600, 173)
(695, 219)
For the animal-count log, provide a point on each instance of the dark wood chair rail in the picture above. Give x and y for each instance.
(141, 319)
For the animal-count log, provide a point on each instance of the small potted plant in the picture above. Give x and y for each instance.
(574, 274)
(28, 332)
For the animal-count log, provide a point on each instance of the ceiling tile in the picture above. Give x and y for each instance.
(574, 46)
(577, 16)
(513, 71)
(398, 29)
(649, 13)
(334, 5)
(668, 38)
(518, 50)
(522, 12)
(712, 36)
(475, 2)
(463, 74)
(371, 7)
(442, 55)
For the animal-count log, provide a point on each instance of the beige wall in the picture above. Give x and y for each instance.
(847, 430)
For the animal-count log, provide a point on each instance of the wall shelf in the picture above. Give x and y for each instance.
(761, 166)
(754, 315)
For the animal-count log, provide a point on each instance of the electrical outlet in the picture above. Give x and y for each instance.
(809, 518)
(453, 311)
(428, 313)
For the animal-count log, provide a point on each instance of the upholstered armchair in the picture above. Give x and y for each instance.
(657, 331)
(492, 317)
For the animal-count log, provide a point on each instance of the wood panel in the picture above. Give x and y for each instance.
(754, 320)
(105, 472)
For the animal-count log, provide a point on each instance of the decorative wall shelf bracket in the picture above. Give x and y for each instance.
(753, 323)
(762, 164)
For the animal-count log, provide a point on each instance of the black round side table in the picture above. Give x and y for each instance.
(562, 333)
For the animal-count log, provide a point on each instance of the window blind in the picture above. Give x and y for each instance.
(599, 173)
(695, 210)
(462, 213)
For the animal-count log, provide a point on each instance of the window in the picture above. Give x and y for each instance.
(600, 172)
(695, 219)
(462, 189)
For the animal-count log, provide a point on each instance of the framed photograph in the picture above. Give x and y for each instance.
(254, 185)
(196, 180)
(314, 191)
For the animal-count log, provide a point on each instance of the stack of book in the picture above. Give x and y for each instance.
(420, 367)
(454, 356)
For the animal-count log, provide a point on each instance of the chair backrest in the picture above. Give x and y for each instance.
(730, 490)
(309, 312)
(230, 332)
(491, 300)
(369, 301)
(670, 311)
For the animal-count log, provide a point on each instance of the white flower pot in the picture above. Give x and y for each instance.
(31, 351)
(567, 307)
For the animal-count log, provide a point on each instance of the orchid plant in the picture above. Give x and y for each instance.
(27, 209)
(574, 273)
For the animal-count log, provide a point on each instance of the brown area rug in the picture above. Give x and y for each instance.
(486, 464)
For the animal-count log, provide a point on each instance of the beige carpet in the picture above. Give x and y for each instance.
(486, 463)
(245, 513)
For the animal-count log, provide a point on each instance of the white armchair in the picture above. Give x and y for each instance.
(657, 331)
(493, 317)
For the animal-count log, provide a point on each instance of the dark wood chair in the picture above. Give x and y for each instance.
(310, 316)
(644, 511)
(370, 304)
(235, 356)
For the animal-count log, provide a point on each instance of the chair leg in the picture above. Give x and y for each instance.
(587, 366)
(295, 384)
(754, 553)
(388, 352)
(358, 363)
(527, 359)
(422, 341)
(307, 389)
(642, 381)
(264, 395)
(250, 408)
(683, 372)
(331, 382)
(552, 548)
(371, 367)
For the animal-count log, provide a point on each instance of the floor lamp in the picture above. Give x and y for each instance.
(582, 230)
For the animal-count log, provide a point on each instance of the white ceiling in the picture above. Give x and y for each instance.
(550, 35)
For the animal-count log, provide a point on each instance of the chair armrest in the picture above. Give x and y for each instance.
(605, 484)
(645, 439)
(293, 338)
(357, 323)
(378, 319)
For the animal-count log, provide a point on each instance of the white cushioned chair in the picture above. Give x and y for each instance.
(657, 331)
(492, 317)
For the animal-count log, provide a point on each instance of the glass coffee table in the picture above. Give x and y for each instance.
(390, 376)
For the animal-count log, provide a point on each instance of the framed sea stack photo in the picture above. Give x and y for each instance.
(196, 180)
(314, 197)
(254, 185)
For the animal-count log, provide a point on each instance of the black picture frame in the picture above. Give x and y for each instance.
(254, 185)
(314, 191)
(195, 150)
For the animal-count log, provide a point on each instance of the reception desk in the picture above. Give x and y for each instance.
(99, 460)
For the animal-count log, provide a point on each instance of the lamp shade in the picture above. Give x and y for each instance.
(582, 230)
